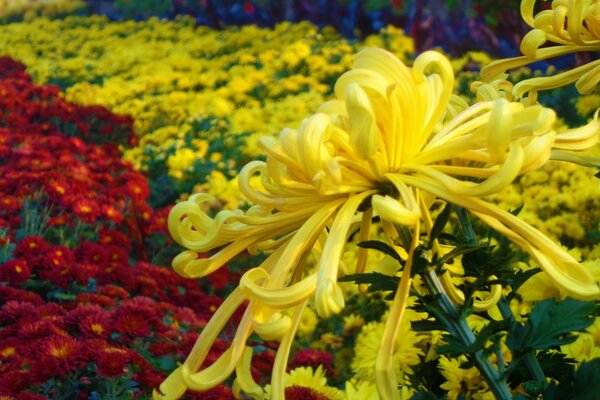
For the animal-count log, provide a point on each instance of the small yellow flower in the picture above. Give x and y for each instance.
(574, 26)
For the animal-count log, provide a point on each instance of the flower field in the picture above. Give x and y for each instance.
(285, 212)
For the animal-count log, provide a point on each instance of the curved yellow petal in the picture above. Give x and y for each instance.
(329, 298)
(364, 134)
(283, 352)
(284, 297)
(244, 382)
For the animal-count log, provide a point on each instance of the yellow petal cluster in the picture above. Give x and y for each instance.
(572, 26)
(394, 138)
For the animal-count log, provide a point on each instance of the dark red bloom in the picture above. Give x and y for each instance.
(90, 252)
(64, 353)
(112, 361)
(303, 393)
(312, 358)
(113, 237)
(87, 210)
(15, 272)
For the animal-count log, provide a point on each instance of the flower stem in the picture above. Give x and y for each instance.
(459, 328)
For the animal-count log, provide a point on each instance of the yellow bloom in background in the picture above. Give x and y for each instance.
(460, 381)
(311, 378)
(573, 26)
(393, 140)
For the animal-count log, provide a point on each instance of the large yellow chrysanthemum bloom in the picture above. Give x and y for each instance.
(574, 26)
(394, 140)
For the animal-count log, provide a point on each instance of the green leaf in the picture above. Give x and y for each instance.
(519, 277)
(376, 280)
(166, 364)
(382, 247)
(580, 385)
(597, 174)
(517, 210)
(446, 258)
(551, 324)
(440, 222)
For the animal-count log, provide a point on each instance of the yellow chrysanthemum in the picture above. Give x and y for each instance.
(311, 378)
(574, 26)
(393, 140)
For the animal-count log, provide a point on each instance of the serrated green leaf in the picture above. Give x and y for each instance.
(382, 247)
(455, 253)
(440, 222)
(551, 324)
(427, 326)
(376, 281)
(519, 277)
(580, 385)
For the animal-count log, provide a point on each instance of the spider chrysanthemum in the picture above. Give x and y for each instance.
(393, 140)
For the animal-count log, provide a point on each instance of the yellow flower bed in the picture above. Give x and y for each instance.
(28, 10)
(255, 82)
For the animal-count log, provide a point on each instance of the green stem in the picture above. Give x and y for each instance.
(461, 330)
(529, 358)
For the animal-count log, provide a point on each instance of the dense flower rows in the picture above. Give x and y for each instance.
(87, 308)
(82, 311)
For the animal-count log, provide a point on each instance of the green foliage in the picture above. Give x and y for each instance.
(580, 384)
(551, 324)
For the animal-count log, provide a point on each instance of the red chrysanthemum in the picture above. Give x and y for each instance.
(112, 361)
(14, 382)
(74, 316)
(312, 358)
(95, 325)
(83, 272)
(131, 321)
(9, 204)
(113, 291)
(138, 189)
(85, 209)
(111, 213)
(220, 392)
(18, 311)
(93, 298)
(63, 352)
(90, 252)
(31, 248)
(58, 191)
(113, 237)
(15, 272)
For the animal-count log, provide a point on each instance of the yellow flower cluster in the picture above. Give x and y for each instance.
(167, 74)
(28, 10)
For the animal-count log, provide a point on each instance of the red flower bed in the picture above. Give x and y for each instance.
(83, 312)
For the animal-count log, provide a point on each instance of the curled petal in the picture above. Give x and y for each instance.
(503, 176)
(244, 380)
(532, 41)
(458, 297)
(392, 210)
(581, 138)
(269, 324)
(277, 297)
(562, 79)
